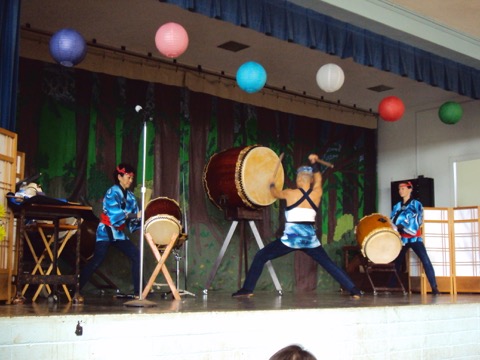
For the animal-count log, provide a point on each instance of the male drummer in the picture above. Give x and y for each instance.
(299, 234)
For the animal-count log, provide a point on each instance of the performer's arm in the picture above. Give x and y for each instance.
(317, 176)
(276, 193)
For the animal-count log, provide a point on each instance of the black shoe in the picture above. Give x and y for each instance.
(126, 296)
(242, 293)
(435, 291)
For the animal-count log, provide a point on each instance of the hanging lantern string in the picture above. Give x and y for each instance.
(194, 69)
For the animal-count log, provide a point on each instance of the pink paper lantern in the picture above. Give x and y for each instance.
(391, 108)
(171, 40)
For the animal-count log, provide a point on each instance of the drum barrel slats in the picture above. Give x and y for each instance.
(162, 218)
(221, 181)
(238, 177)
(377, 239)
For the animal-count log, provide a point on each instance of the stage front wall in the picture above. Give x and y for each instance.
(74, 127)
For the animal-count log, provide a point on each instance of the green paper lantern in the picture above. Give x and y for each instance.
(450, 112)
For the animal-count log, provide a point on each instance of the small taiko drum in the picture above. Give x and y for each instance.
(240, 177)
(378, 241)
(162, 220)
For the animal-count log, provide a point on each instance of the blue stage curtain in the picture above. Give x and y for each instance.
(293, 23)
(9, 34)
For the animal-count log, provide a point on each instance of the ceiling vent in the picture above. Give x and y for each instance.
(380, 88)
(233, 46)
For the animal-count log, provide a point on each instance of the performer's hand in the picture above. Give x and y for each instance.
(313, 158)
(270, 182)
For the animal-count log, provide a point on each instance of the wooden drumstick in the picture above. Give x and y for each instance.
(330, 165)
(280, 158)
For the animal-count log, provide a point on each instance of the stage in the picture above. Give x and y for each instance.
(217, 326)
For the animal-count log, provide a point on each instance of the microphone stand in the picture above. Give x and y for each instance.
(142, 302)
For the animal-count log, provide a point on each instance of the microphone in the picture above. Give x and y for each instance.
(146, 115)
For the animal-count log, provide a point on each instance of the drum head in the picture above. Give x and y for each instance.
(162, 227)
(256, 172)
(382, 246)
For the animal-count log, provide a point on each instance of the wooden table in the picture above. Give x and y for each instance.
(45, 208)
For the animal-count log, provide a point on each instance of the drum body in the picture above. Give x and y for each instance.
(240, 177)
(162, 220)
(378, 241)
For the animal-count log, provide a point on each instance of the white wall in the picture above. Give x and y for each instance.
(436, 331)
(420, 144)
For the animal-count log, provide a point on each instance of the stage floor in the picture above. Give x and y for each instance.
(218, 301)
(218, 327)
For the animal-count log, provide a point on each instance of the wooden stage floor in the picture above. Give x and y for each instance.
(218, 327)
(219, 301)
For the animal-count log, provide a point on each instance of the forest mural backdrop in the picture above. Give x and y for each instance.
(74, 127)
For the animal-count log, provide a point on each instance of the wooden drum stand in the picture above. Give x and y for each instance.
(242, 215)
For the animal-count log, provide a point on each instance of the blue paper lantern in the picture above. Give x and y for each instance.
(251, 77)
(68, 47)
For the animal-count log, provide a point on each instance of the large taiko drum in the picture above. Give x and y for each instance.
(162, 220)
(239, 177)
(378, 241)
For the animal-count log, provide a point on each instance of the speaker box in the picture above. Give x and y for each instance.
(423, 191)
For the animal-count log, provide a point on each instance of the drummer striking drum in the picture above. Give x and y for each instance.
(299, 234)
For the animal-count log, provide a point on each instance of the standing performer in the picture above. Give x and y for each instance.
(299, 234)
(407, 216)
(120, 211)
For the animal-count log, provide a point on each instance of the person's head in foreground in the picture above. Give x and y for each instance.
(293, 352)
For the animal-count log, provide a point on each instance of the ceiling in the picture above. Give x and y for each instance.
(133, 24)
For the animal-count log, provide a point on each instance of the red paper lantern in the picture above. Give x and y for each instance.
(171, 40)
(391, 108)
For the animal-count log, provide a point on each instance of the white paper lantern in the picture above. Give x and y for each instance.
(330, 77)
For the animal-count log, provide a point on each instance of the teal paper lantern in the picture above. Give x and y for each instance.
(450, 112)
(251, 77)
(68, 47)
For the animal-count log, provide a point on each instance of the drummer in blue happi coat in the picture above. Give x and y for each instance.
(407, 218)
(120, 212)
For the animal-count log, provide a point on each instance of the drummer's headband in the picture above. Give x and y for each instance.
(407, 184)
(124, 172)
(305, 169)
